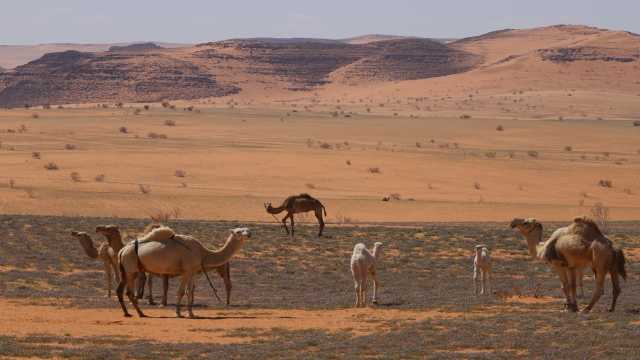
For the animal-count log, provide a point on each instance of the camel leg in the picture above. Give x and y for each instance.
(363, 290)
(571, 272)
(374, 300)
(191, 291)
(165, 289)
(120, 293)
(150, 286)
(600, 276)
(225, 273)
(615, 282)
(475, 280)
(483, 281)
(115, 272)
(184, 282)
(564, 278)
(131, 281)
(292, 227)
(141, 281)
(356, 285)
(579, 279)
(107, 272)
(284, 223)
(320, 221)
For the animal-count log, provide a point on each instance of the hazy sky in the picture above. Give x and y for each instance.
(88, 21)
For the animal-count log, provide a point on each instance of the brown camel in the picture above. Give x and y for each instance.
(163, 252)
(298, 204)
(578, 245)
(103, 252)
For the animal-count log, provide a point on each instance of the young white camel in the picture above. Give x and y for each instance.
(363, 263)
(482, 267)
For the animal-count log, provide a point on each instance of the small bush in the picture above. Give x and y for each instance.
(395, 196)
(499, 128)
(180, 173)
(12, 183)
(165, 104)
(374, 170)
(51, 166)
(69, 147)
(605, 183)
(476, 185)
(35, 115)
(170, 122)
(144, 189)
(636, 123)
(490, 154)
(465, 116)
(153, 135)
(533, 153)
(146, 107)
(100, 178)
(600, 213)
(137, 112)
(123, 129)
(35, 155)
(348, 162)
(75, 176)
(326, 146)
(568, 148)
(628, 191)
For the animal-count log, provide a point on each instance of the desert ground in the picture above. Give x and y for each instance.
(293, 298)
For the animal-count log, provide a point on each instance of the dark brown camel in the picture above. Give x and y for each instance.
(298, 204)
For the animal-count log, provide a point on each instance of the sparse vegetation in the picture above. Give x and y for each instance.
(69, 147)
(465, 116)
(533, 153)
(180, 173)
(35, 155)
(35, 116)
(310, 186)
(123, 129)
(144, 189)
(568, 148)
(605, 183)
(499, 128)
(476, 185)
(636, 123)
(51, 166)
(169, 122)
(100, 178)
(75, 177)
(153, 135)
(374, 170)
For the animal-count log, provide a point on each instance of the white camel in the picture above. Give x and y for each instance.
(363, 263)
(482, 268)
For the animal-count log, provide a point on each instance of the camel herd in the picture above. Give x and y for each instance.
(162, 252)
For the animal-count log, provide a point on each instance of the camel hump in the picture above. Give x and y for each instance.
(306, 196)
(158, 234)
(585, 225)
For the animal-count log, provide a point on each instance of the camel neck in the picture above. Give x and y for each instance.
(534, 242)
(215, 258)
(376, 252)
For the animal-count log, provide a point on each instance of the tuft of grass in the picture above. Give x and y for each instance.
(180, 173)
(568, 148)
(69, 147)
(169, 122)
(51, 166)
(476, 185)
(465, 116)
(75, 176)
(499, 128)
(605, 183)
(100, 178)
(310, 186)
(35, 155)
(123, 129)
(153, 135)
(144, 189)
(374, 170)
(533, 153)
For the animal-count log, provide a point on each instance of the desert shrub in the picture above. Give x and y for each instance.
(12, 183)
(30, 193)
(326, 146)
(374, 170)
(75, 176)
(418, 145)
(137, 112)
(153, 135)
(180, 173)
(605, 183)
(170, 122)
(533, 153)
(166, 104)
(119, 105)
(22, 128)
(600, 213)
(636, 123)
(568, 148)
(35, 155)
(35, 115)
(395, 196)
(123, 129)
(172, 107)
(627, 191)
(490, 154)
(51, 166)
(499, 128)
(348, 162)
(100, 178)
(465, 116)
(46, 106)
(69, 147)
(146, 107)
(476, 185)
(144, 189)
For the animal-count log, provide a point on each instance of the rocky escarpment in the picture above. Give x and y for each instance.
(76, 77)
(586, 53)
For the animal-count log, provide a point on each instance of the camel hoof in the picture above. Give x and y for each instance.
(375, 302)
(127, 315)
(142, 315)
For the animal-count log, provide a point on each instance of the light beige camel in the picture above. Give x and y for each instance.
(103, 252)
(532, 230)
(163, 252)
(363, 263)
(298, 204)
(578, 245)
(482, 268)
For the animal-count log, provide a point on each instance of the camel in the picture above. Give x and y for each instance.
(363, 263)
(224, 271)
(163, 252)
(482, 267)
(532, 228)
(578, 245)
(298, 204)
(103, 252)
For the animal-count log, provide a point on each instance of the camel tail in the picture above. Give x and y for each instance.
(619, 262)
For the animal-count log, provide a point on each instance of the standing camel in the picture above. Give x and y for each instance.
(578, 245)
(103, 252)
(298, 204)
(363, 263)
(532, 230)
(482, 267)
(163, 252)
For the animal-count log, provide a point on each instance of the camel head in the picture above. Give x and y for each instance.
(525, 226)
(241, 231)
(377, 249)
(80, 235)
(267, 206)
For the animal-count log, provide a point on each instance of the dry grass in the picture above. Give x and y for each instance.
(374, 170)
(51, 166)
(606, 183)
(75, 177)
(180, 173)
(144, 189)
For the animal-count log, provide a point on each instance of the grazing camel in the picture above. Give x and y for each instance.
(103, 252)
(578, 245)
(298, 204)
(363, 263)
(163, 252)
(482, 267)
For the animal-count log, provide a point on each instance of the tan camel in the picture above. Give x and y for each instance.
(103, 252)
(224, 271)
(578, 245)
(532, 230)
(163, 252)
(482, 269)
(298, 204)
(363, 263)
